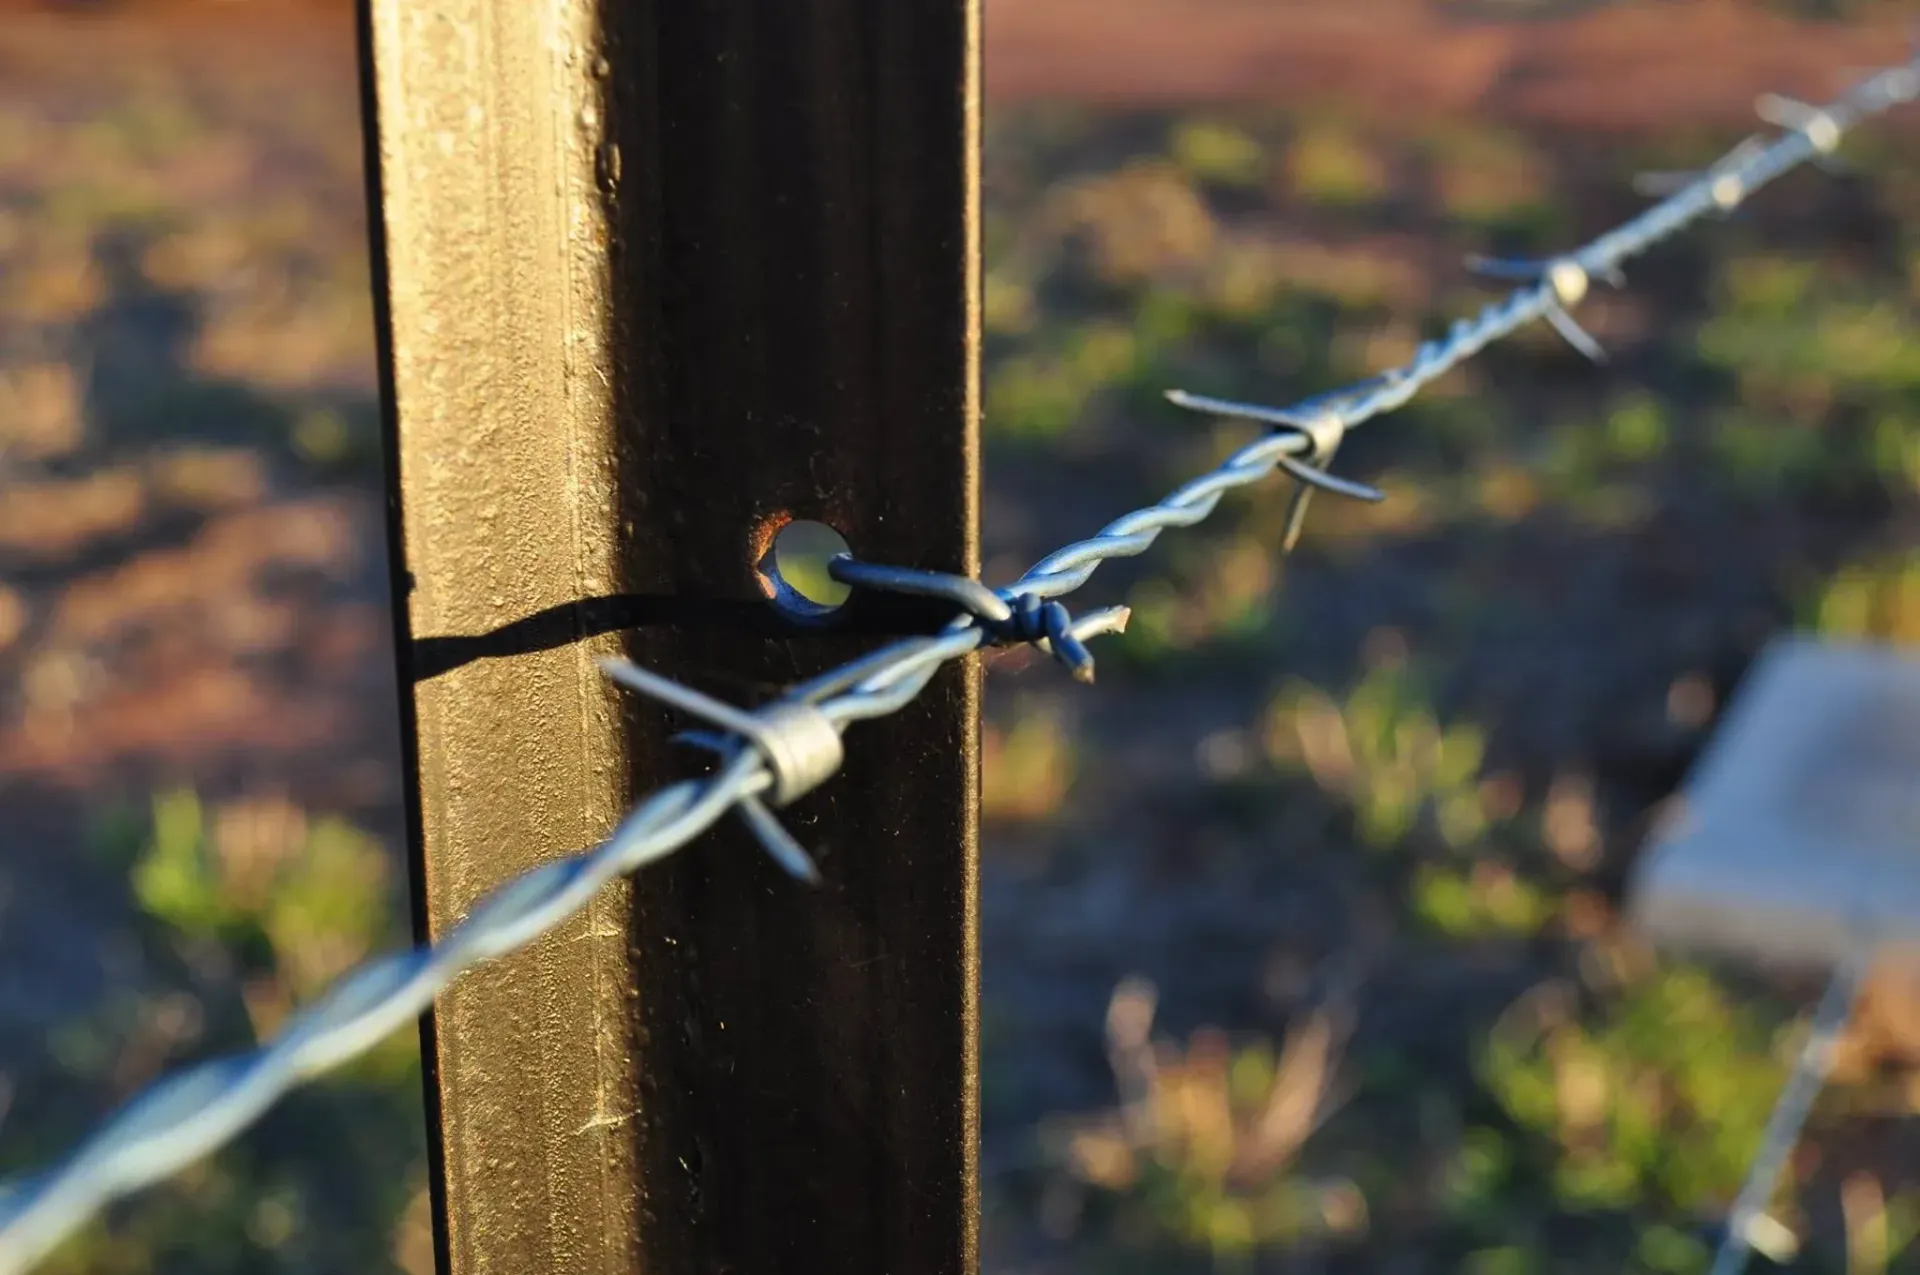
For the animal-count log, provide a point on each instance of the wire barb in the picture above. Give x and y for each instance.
(1725, 184)
(1322, 423)
(1564, 283)
(1815, 123)
(786, 748)
(781, 846)
(800, 745)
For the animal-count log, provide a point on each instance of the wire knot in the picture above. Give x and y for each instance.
(1046, 624)
(1023, 619)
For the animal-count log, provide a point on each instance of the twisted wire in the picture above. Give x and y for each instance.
(191, 1113)
(1790, 1113)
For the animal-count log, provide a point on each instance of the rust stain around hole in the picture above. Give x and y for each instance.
(760, 551)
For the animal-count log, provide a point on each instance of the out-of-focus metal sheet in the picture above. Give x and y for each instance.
(1797, 838)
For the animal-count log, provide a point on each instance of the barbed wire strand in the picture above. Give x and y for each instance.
(779, 751)
(1790, 1112)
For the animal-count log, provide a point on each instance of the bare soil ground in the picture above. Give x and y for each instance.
(1592, 67)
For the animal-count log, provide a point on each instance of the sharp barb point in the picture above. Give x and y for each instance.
(1576, 336)
(779, 844)
(1283, 416)
(1314, 476)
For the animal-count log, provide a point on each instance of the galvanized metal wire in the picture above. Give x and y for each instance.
(778, 751)
(1790, 1113)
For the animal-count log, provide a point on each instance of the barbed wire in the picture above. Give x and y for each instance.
(782, 750)
(1790, 1112)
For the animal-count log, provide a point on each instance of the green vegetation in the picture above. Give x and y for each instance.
(1029, 766)
(1043, 393)
(251, 909)
(1481, 900)
(1207, 1153)
(1491, 180)
(1329, 163)
(1877, 600)
(1384, 751)
(1826, 372)
(1219, 153)
(1657, 1101)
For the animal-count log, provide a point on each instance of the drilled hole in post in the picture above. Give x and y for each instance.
(794, 570)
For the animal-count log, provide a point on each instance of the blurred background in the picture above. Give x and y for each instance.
(1302, 938)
